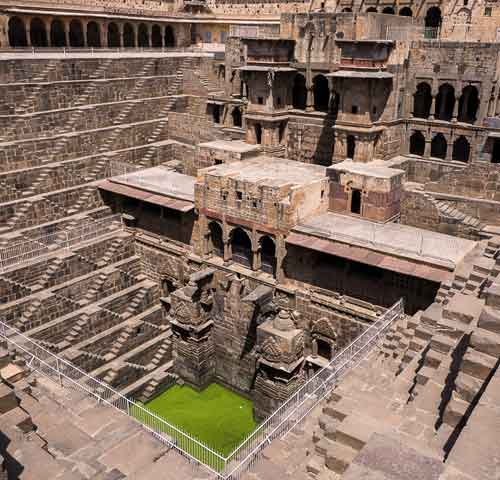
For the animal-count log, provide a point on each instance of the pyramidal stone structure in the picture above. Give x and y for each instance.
(296, 200)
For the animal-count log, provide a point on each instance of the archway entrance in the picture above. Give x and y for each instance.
(445, 102)
(299, 92)
(468, 104)
(388, 11)
(38, 33)
(236, 116)
(433, 21)
(17, 33)
(57, 36)
(76, 34)
(461, 149)
(241, 248)
(268, 255)
(406, 12)
(93, 35)
(439, 146)
(128, 36)
(143, 36)
(356, 201)
(422, 101)
(113, 36)
(321, 93)
(216, 242)
(169, 36)
(156, 37)
(417, 144)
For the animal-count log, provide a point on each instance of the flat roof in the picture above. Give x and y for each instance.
(161, 181)
(403, 241)
(235, 146)
(271, 171)
(262, 68)
(377, 169)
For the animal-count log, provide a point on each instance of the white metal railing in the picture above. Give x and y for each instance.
(284, 419)
(69, 376)
(254, 31)
(298, 406)
(121, 168)
(411, 32)
(27, 250)
(98, 50)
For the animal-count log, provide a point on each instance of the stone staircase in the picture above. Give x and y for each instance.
(87, 195)
(83, 99)
(453, 215)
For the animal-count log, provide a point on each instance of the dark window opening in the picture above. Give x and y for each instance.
(216, 114)
(17, 33)
(281, 133)
(156, 37)
(237, 120)
(128, 36)
(57, 35)
(299, 92)
(38, 34)
(417, 144)
(445, 102)
(268, 255)
(93, 35)
(239, 195)
(260, 100)
(495, 153)
(216, 241)
(76, 34)
(468, 105)
(113, 36)
(354, 109)
(324, 349)
(388, 11)
(258, 134)
(143, 39)
(351, 146)
(439, 146)
(321, 93)
(356, 201)
(241, 247)
(461, 149)
(406, 12)
(422, 101)
(169, 37)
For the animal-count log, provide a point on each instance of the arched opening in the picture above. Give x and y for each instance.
(268, 255)
(321, 93)
(299, 92)
(356, 201)
(216, 113)
(461, 149)
(347, 10)
(76, 34)
(113, 36)
(57, 36)
(241, 248)
(38, 33)
(468, 104)
(422, 101)
(388, 11)
(406, 12)
(128, 36)
(258, 133)
(17, 33)
(445, 102)
(334, 103)
(93, 35)
(236, 115)
(324, 349)
(156, 37)
(495, 152)
(433, 17)
(371, 10)
(169, 36)
(439, 146)
(417, 144)
(143, 36)
(351, 146)
(281, 132)
(216, 243)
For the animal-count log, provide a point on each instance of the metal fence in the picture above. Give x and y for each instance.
(284, 419)
(27, 250)
(299, 405)
(254, 31)
(412, 32)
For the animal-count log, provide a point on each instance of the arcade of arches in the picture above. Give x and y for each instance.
(66, 32)
(438, 146)
(444, 104)
(238, 248)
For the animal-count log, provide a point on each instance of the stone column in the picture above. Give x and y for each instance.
(280, 257)
(449, 148)
(4, 38)
(120, 33)
(455, 109)
(310, 99)
(256, 259)
(84, 31)
(103, 35)
(433, 108)
(66, 32)
(427, 150)
(27, 27)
